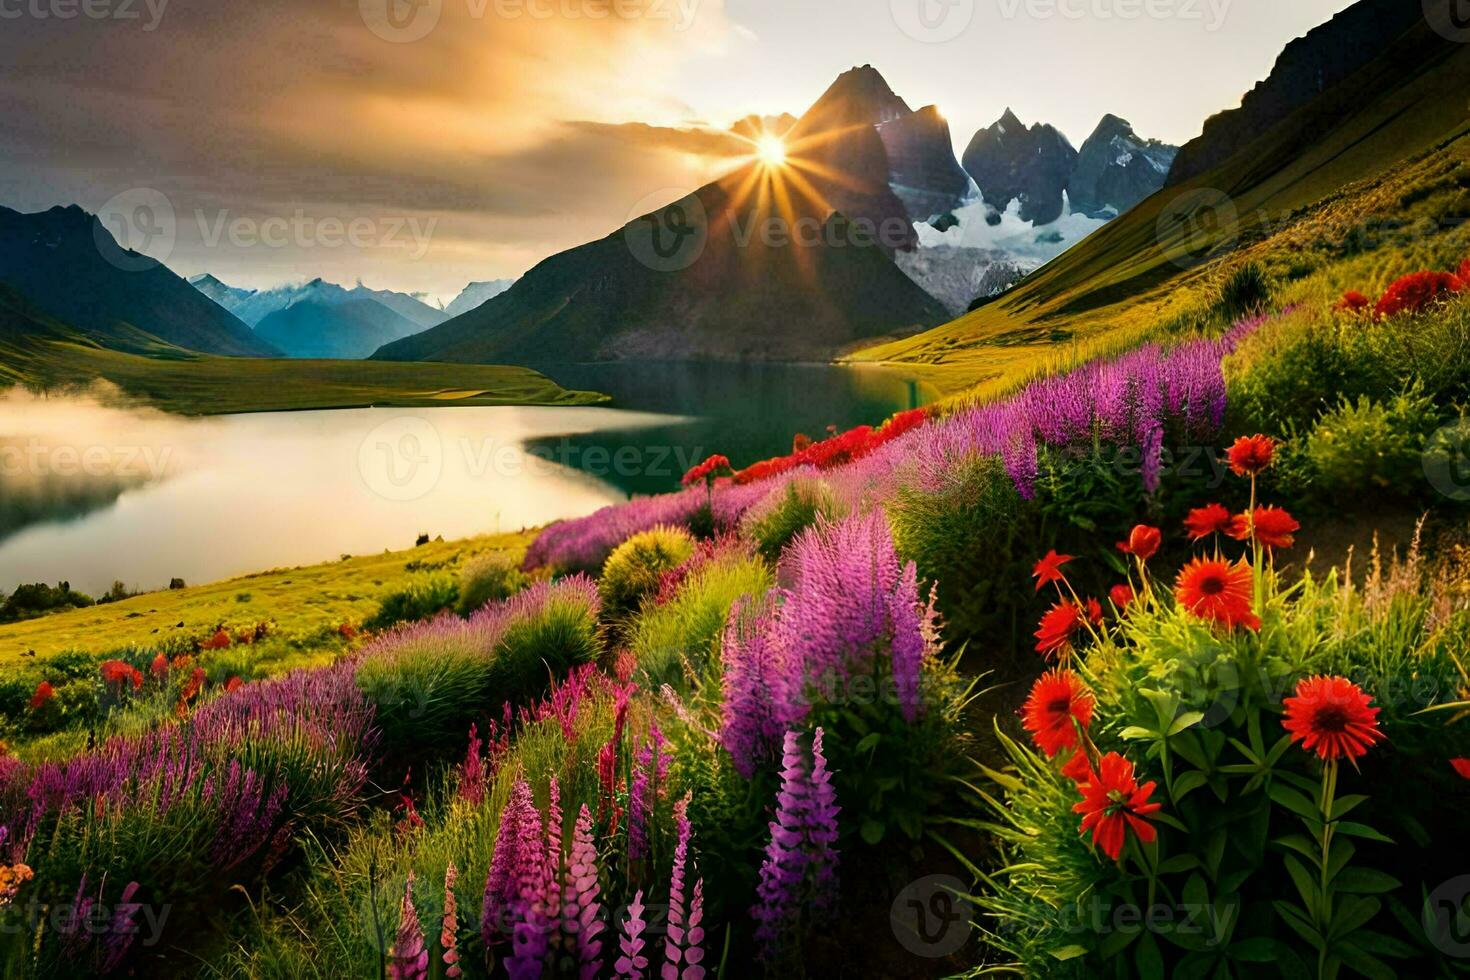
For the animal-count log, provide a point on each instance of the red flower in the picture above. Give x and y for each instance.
(1122, 596)
(1217, 590)
(121, 674)
(159, 668)
(1143, 542)
(1354, 302)
(1055, 632)
(1330, 716)
(1112, 802)
(1094, 611)
(1417, 292)
(218, 641)
(1462, 766)
(1049, 569)
(1464, 271)
(714, 466)
(44, 692)
(1251, 454)
(1274, 527)
(195, 683)
(1207, 520)
(1077, 768)
(1058, 698)
(233, 684)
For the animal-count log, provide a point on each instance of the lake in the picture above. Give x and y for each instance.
(93, 494)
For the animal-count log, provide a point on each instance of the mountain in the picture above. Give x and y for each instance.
(317, 329)
(475, 294)
(254, 305)
(1010, 162)
(1323, 58)
(1368, 174)
(922, 169)
(1116, 169)
(66, 263)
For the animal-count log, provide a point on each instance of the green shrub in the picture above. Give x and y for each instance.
(1373, 446)
(635, 568)
(536, 648)
(774, 525)
(487, 578)
(421, 598)
(1246, 290)
(686, 629)
(38, 599)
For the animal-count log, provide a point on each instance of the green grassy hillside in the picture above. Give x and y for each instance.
(1368, 180)
(39, 352)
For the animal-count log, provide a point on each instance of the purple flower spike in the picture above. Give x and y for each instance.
(409, 958)
(581, 911)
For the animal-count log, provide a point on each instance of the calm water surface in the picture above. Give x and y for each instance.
(92, 494)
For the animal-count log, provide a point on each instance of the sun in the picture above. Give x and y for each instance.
(770, 151)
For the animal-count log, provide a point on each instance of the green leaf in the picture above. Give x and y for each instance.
(1305, 885)
(867, 742)
(1187, 783)
(1342, 852)
(1377, 942)
(1215, 852)
(1187, 720)
(1178, 863)
(1343, 804)
(1365, 963)
(1364, 881)
(1257, 949)
(1148, 958)
(1361, 830)
(872, 831)
(1353, 912)
(1065, 953)
(1134, 732)
(1295, 802)
(1299, 922)
(1303, 845)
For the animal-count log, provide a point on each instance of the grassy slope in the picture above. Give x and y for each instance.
(39, 352)
(298, 600)
(1136, 273)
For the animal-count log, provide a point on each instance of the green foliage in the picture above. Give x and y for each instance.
(1377, 446)
(635, 568)
(677, 641)
(773, 526)
(38, 599)
(420, 598)
(487, 578)
(1246, 290)
(544, 645)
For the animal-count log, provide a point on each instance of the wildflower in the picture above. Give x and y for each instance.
(580, 909)
(449, 925)
(1057, 627)
(1353, 302)
(159, 667)
(218, 641)
(679, 942)
(1143, 542)
(822, 827)
(1122, 596)
(1273, 527)
(1462, 766)
(233, 684)
(652, 764)
(44, 693)
(632, 963)
(347, 631)
(1049, 569)
(707, 471)
(1417, 292)
(1077, 768)
(194, 686)
(409, 957)
(1331, 716)
(12, 876)
(1219, 591)
(1251, 455)
(120, 675)
(1207, 520)
(1059, 704)
(505, 860)
(1113, 802)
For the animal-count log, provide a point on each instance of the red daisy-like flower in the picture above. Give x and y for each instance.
(1251, 454)
(1057, 627)
(1077, 768)
(1217, 590)
(44, 692)
(1331, 716)
(1049, 569)
(1143, 542)
(1058, 703)
(1122, 596)
(1207, 520)
(1113, 802)
(1274, 527)
(1462, 766)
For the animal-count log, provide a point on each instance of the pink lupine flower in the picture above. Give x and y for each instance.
(553, 863)
(684, 935)
(822, 828)
(580, 910)
(632, 963)
(409, 958)
(530, 931)
(648, 781)
(501, 885)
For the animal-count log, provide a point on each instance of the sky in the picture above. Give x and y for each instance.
(422, 144)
